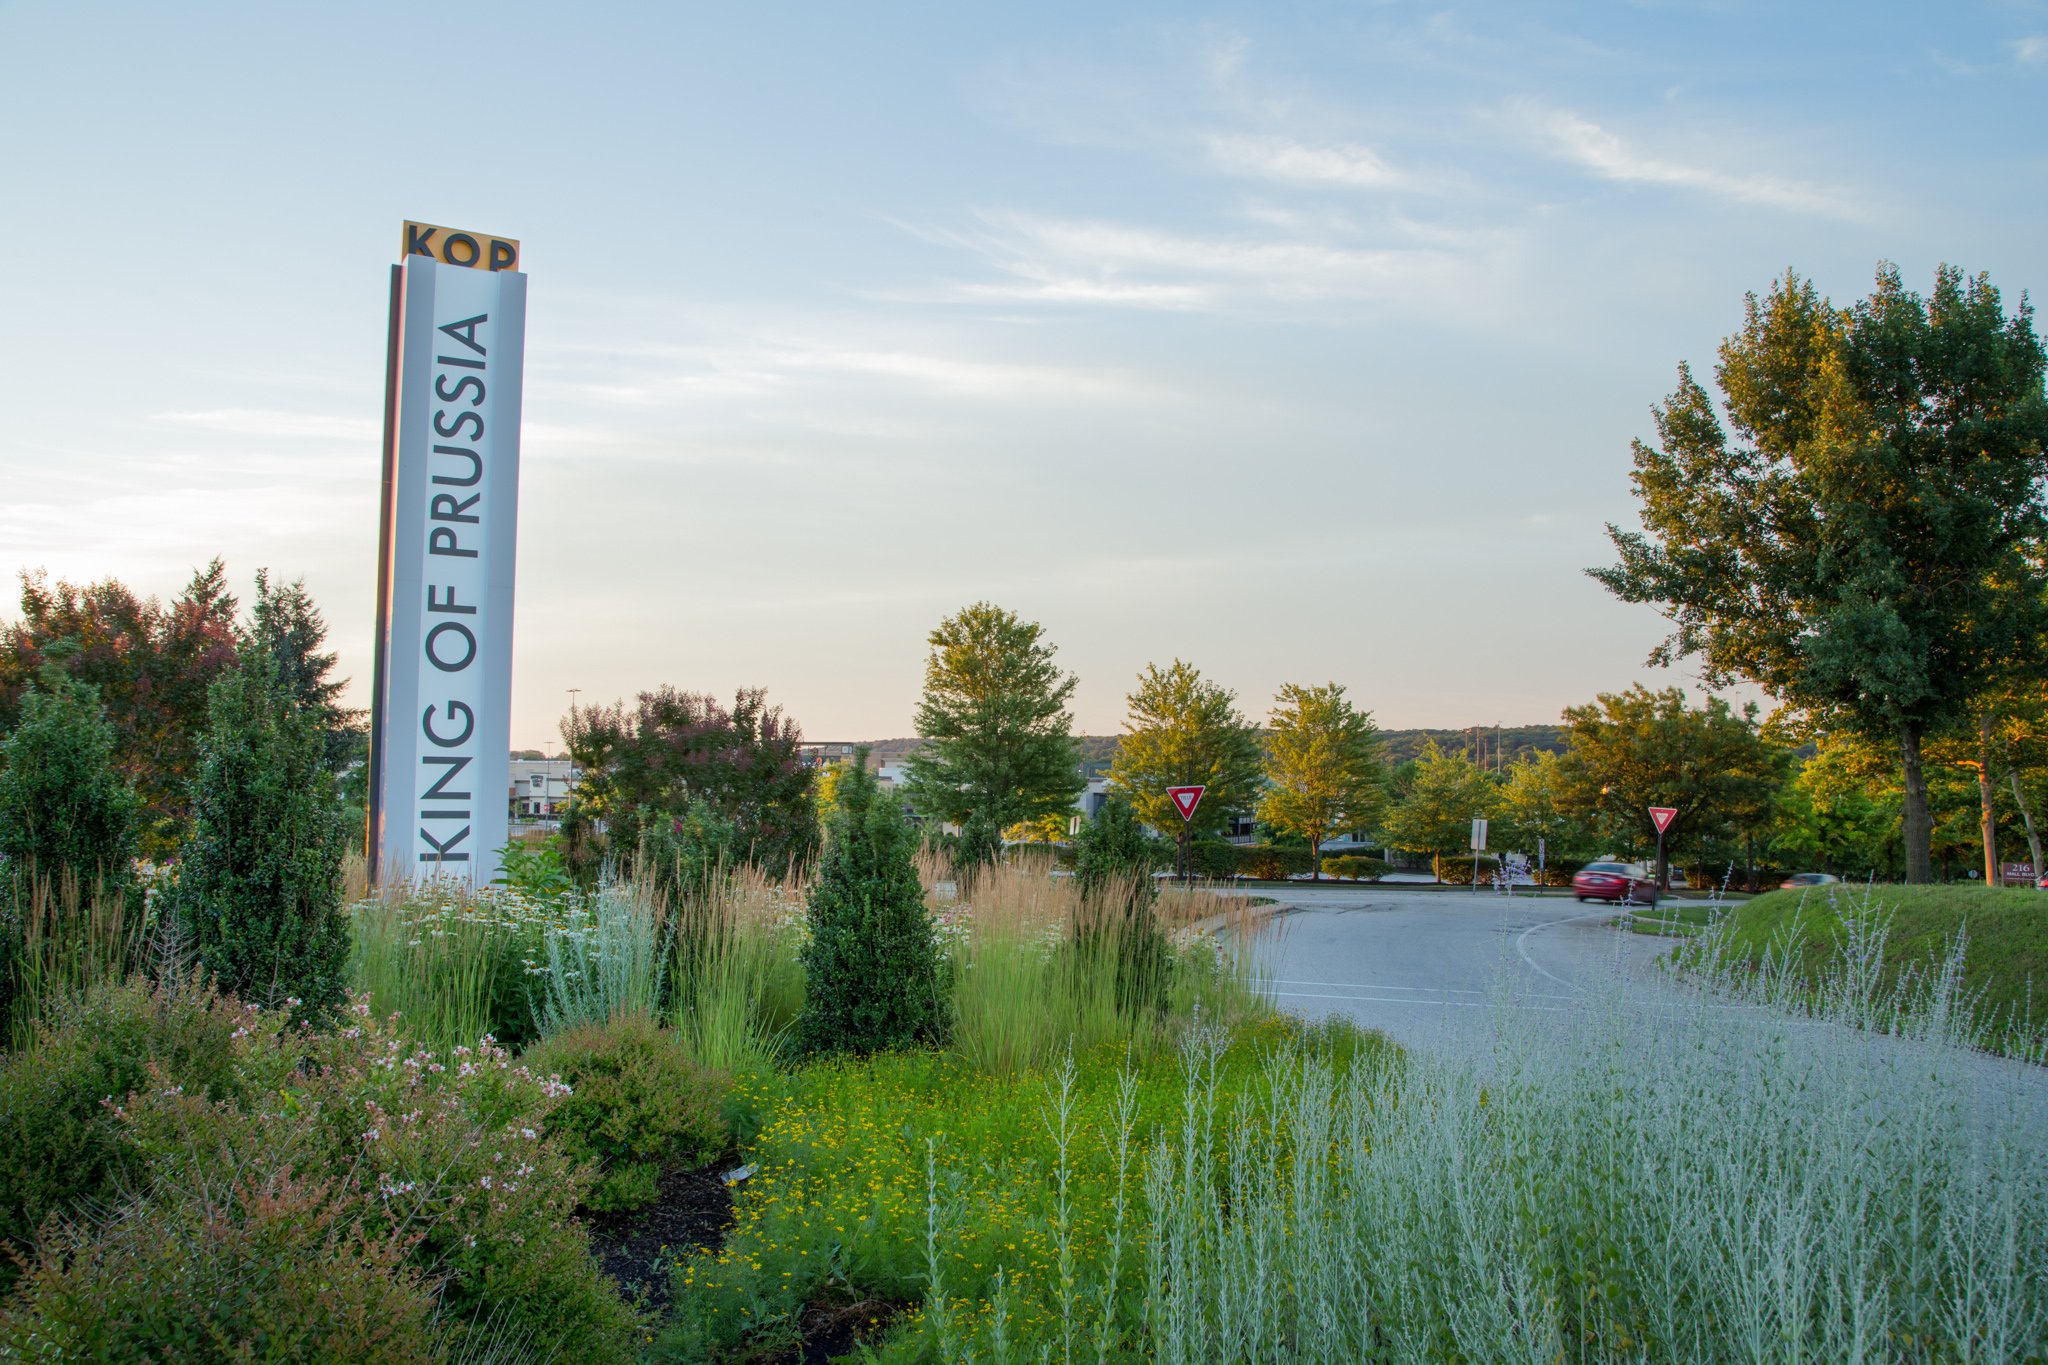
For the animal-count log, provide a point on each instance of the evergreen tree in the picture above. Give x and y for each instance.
(1112, 847)
(284, 622)
(999, 748)
(64, 806)
(1324, 773)
(873, 977)
(260, 884)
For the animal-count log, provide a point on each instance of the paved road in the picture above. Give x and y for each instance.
(1448, 971)
(1434, 968)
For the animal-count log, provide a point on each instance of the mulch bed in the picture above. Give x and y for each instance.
(691, 1209)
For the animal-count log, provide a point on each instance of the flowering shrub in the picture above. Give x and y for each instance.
(639, 1104)
(63, 1144)
(432, 1167)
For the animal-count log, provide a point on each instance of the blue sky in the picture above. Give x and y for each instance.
(1303, 342)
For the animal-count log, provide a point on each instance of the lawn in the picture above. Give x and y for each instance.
(1905, 937)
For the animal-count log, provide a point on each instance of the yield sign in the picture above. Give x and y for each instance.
(1185, 799)
(1662, 816)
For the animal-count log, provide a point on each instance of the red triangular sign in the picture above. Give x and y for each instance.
(1185, 799)
(1662, 816)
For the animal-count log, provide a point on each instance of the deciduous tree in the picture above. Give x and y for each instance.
(1446, 793)
(1868, 546)
(151, 664)
(1629, 751)
(1324, 771)
(1184, 730)
(649, 763)
(998, 740)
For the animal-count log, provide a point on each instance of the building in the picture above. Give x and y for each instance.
(541, 787)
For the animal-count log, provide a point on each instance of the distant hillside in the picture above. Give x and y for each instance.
(1490, 744)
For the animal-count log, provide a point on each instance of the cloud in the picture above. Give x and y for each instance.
(275, 424)
(2031, 50)
(1296, 163)
(1585, 143)
(1092, 261)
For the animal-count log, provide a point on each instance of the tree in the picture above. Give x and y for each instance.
(1183, 730)
(284, 622)
(1869, 547)
(872, 972)
(1628, 751)
(998, 739)
(1446, 793)
(260, 884)
(645, 767)
(1324, 772)
(64, 807)
(1533, 807)
(152, 665)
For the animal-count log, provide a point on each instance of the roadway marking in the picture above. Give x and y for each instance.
(1521, 948)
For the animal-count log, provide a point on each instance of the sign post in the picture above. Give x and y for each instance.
(441, 720)
(1185, 799)
(1661, 817)
(1478, 847)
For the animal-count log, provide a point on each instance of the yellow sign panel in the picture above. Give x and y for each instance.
(452, 246)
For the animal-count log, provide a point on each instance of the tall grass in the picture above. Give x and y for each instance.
(59, 938)
(1036, 969)
(454, 963)
(738, 981)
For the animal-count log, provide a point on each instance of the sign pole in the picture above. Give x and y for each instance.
(1661, 817)
(373, 817)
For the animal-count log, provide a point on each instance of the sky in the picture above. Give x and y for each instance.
(1302, 342)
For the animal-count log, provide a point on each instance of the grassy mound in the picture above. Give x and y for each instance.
(2005, 960)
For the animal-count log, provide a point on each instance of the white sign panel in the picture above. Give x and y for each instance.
(445, 739)
(1479, 835)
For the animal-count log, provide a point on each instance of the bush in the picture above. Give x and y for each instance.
(65, 1148)
(260, 883)
(440, 1167)
(63, 805)
(1356, 867)
(1113, 847)
(871, 969)
(638, 1104)
(1457, 871)
(268, 1268)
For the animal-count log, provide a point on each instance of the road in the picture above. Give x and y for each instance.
(1448, 971)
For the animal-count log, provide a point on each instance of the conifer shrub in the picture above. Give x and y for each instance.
(259, 886)
(638, 1103)
(872, 972)
(64, 806)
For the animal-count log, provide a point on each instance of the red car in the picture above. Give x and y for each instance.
(1615, 882)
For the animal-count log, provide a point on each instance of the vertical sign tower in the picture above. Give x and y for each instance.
(440, 715)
